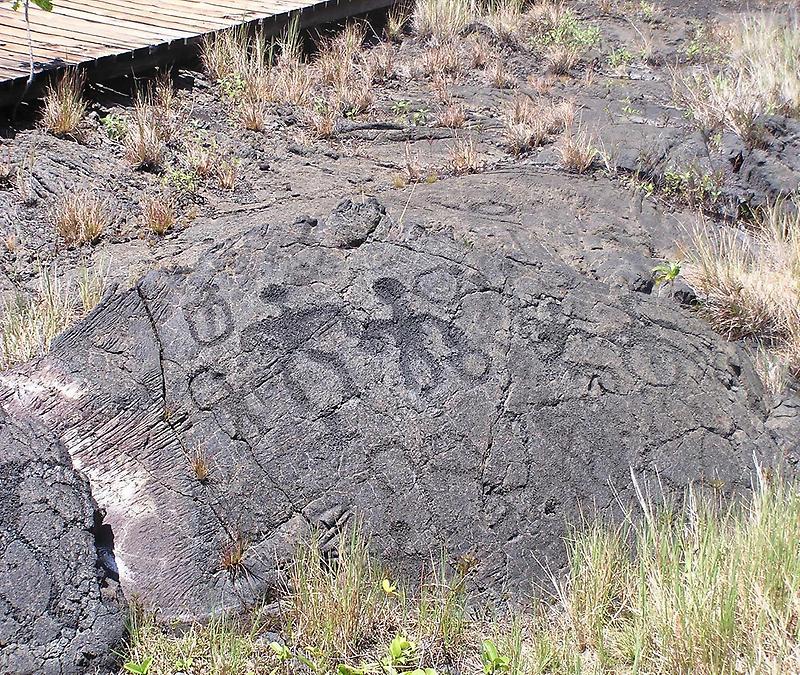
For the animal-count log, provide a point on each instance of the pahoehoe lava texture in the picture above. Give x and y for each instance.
(54, 617)
(448, 395)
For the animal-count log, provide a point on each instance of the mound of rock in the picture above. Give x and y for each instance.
(448, 395)
(58, 612)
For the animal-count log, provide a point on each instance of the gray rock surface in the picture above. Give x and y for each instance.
(54, 616)
(447, 394)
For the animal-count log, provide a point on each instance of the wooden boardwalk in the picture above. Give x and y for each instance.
(111, 37)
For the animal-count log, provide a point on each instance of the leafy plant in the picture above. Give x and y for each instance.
(389, 588)
(491, 659)
(620, 58)
(139, 667)
(116, 126)
(401, 108)
(419, 117)
(182, 180)
(281, 651)
(401, 651)
(666, 272)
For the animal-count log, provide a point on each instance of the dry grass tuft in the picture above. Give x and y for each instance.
(499, 75)
(200, 465)
(30, 323)
(356, 96)
(530, 123)
(227, 171)
(749, 281)
(80, 217)
(64, 105)
(576, 149)
(480, 52)
(441, 59)
(463, 156)
(321, 118)
(201, 158)
(396, 23)
(222, 53)
(443, 20)
(336, 57)
(380, 63)
(294, 83)
(760, 74)
(561, 59)
(144, 143)
(232, 557)
(453, 116)
(158, 213)
(506, 19)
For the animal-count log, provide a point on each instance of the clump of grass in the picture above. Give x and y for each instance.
(692, 586)
(760, 74)
(499, 75)
(232, 556)
(321, 118)
(144, 143)
(200, 465)
(443, 20)
(158, 213)
(505, 18)
(337, 604)
(463, 156)
(576, 149)
(80, 217)
(749, 281)
(452, 116)
(64, 106)
(563, 36)
(561, 59)
(380, 63)
(396, 22)
(441, 59)
(530, 123)
(224, 645)
(30, 322)
(227, 172)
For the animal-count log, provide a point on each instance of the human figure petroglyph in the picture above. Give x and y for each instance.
(410, 330)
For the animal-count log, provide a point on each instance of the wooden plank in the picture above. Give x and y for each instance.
(156, 17)
(111, 24)
(58, 35)
(115, 35)
(121, 37)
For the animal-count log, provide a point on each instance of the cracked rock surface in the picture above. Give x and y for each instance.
(355, 365)
(54, 616)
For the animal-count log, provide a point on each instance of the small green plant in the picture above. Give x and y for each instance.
(401, 651)
(703, 45)
(620, 58)
(282, 652)
(115, 126)
(666, 272)
(182, 180)
(693, 187)
(401, 108)
(420, 117)
(139, 667)
(648, 11)
(569, 31)
(628, 108)
(491, 659)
